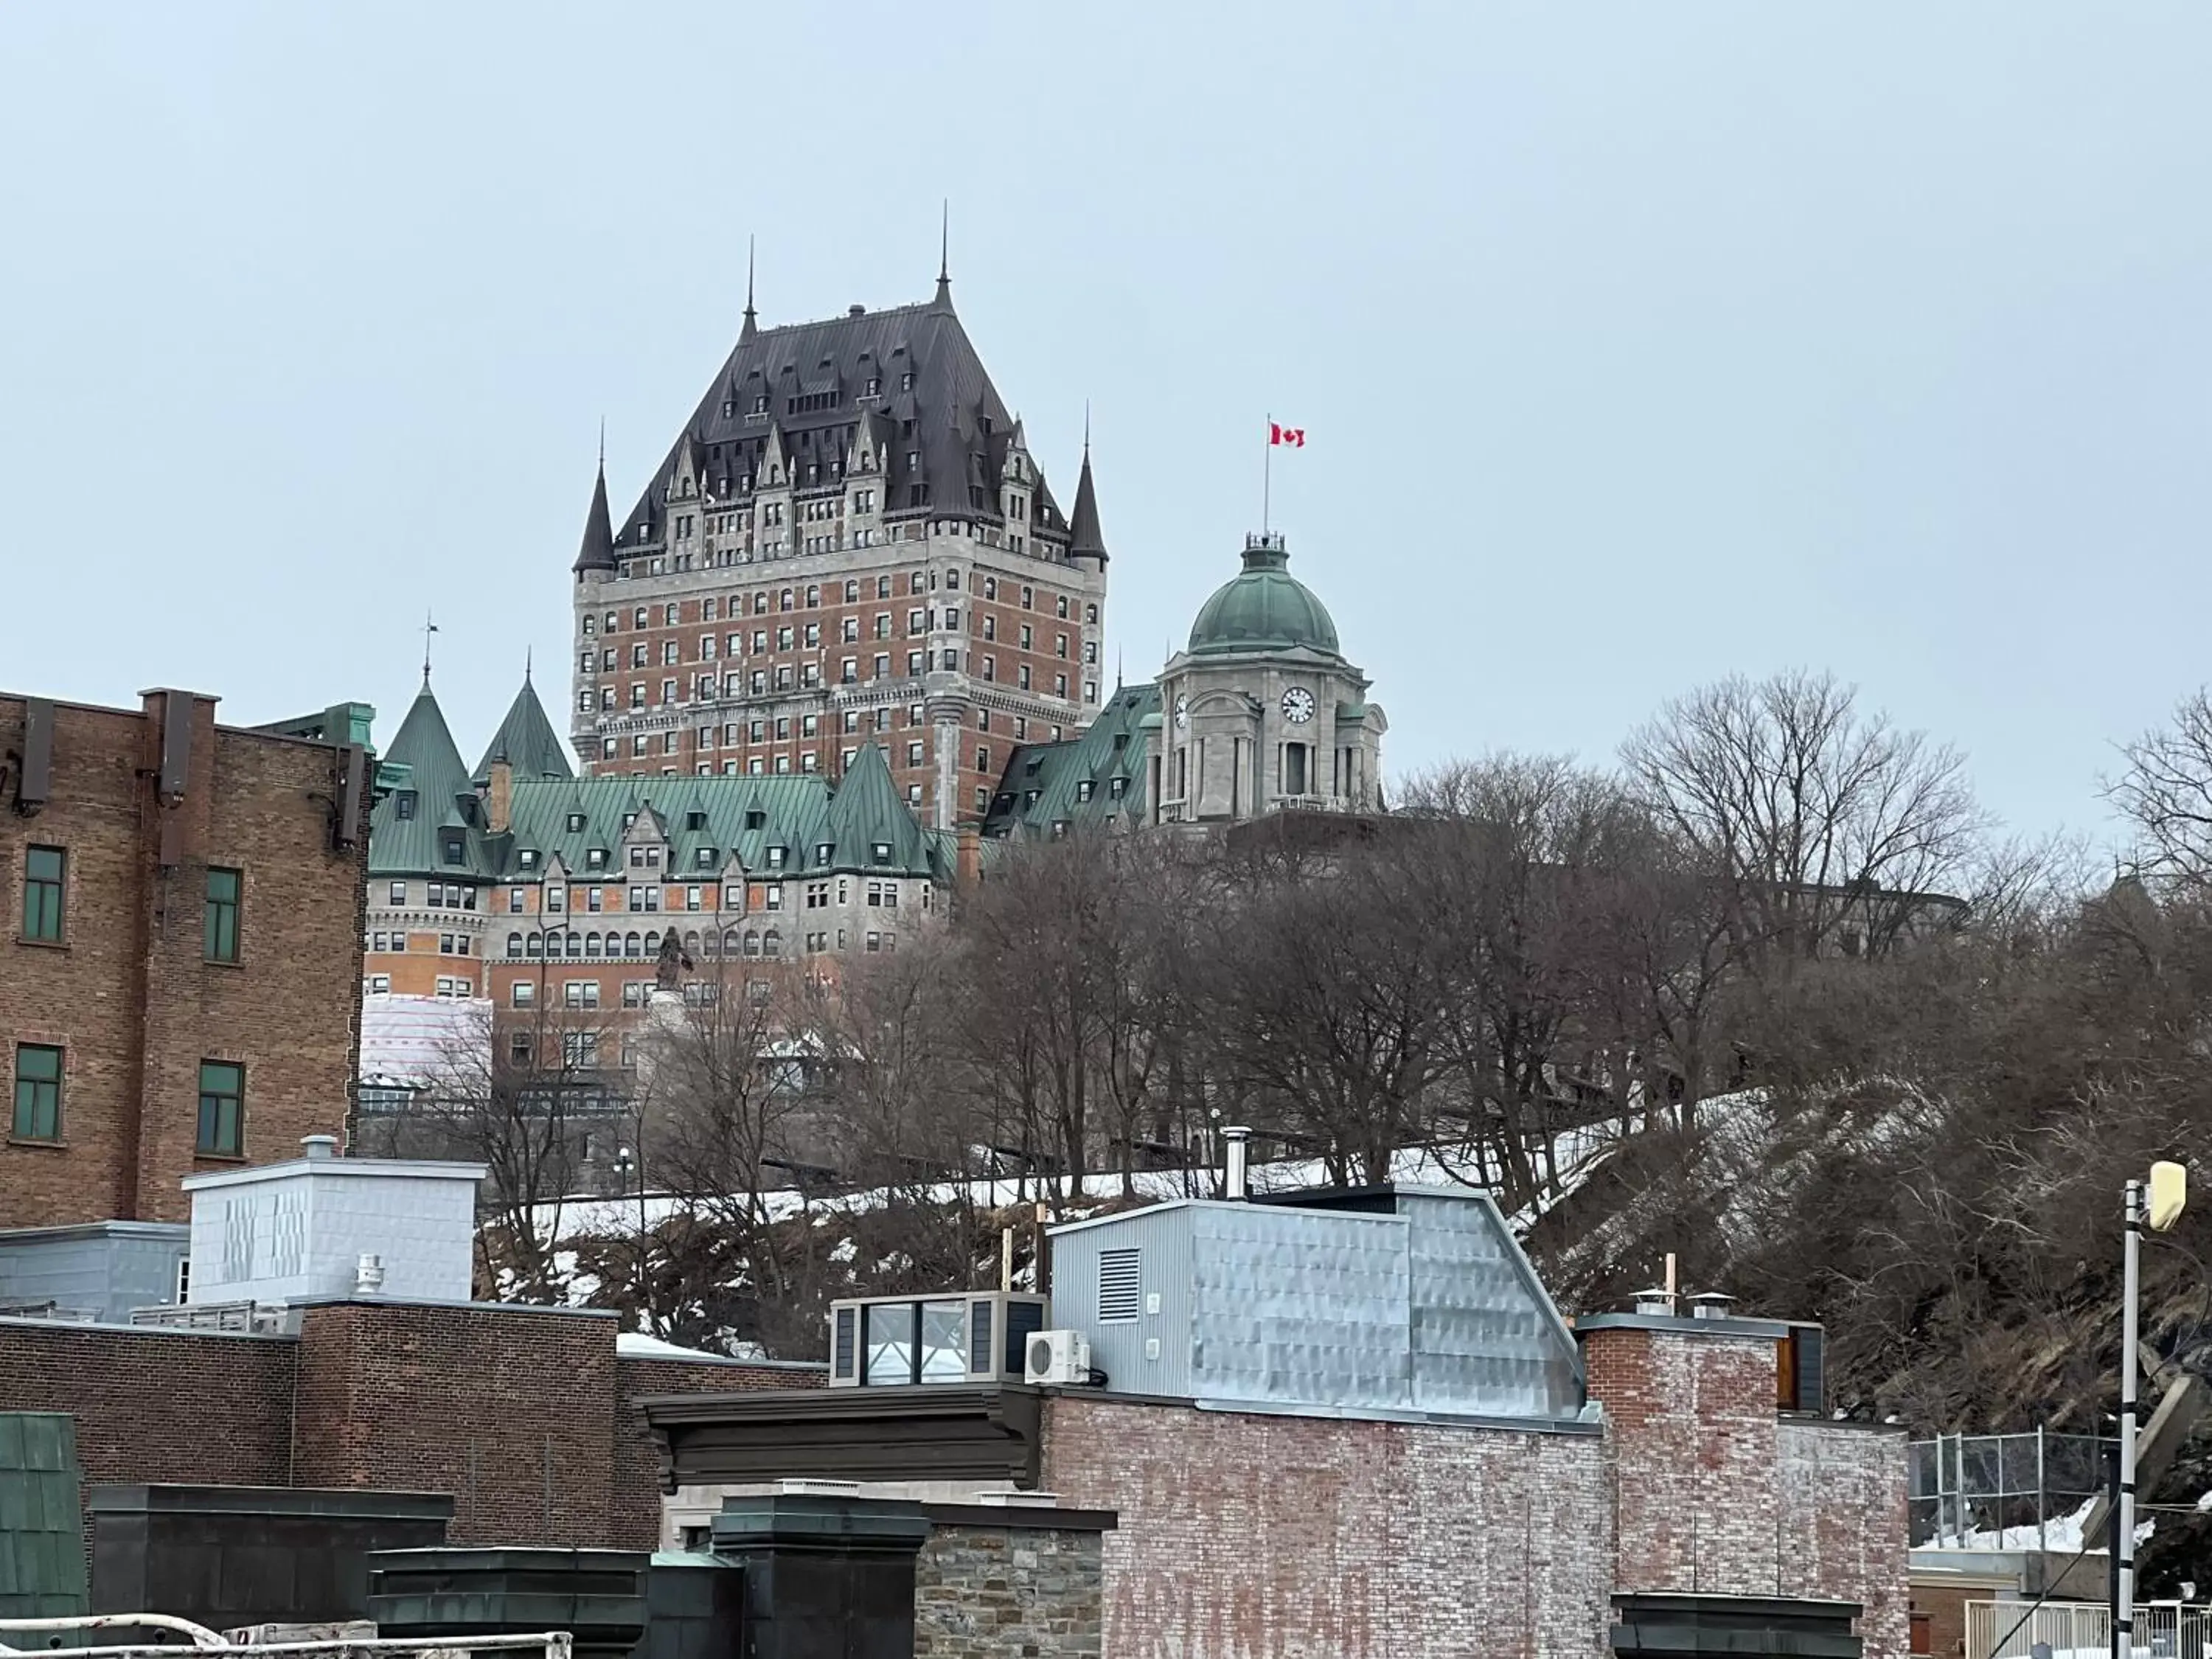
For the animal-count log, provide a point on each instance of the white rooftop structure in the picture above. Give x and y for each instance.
(323, 1226)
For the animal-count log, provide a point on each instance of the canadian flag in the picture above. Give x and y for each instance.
(1295, 436)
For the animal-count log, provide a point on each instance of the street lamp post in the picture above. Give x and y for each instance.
(2157, 1204)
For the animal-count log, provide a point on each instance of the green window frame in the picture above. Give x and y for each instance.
(46, 873)
(224, 890)
(222, 1109)
(37, 1092)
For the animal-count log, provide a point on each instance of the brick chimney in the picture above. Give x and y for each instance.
(968, 862)
(499, 799)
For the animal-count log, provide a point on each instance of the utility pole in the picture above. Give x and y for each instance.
(2156, 1204)
(2124, 1545)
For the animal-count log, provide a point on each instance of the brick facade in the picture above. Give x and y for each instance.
(522, 1414)
(1694, 1454)
(1335, 1539)
(980, 1592)
(158, 1406)
(1339, 1538)
(128, 994)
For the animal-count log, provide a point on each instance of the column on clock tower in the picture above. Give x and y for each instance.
(1260, 710)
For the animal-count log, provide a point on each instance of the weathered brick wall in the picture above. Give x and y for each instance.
(982, 1592)
(1692, 1444)
(634, 1522)
(508, 1409)
(155, 1406)
(1843, 1525)
(1318, 1538)
(127, 994)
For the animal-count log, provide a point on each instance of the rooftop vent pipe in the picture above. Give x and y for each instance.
(1711, 1304)
(1655, 1302)
(320, 1147)
(1237, 1136)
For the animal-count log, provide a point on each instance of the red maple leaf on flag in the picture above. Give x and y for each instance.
(1295, 436)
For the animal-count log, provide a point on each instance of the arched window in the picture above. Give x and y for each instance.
(591, 945)
(632, 948)
(576, 944)
(692, 943)
(752, 945)
(653, 944)
(772, 943)
(534, 948)
(730, 942)
(514, 945)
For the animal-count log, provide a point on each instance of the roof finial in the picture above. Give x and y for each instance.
(752, 323)
(428, 629)
(1086, 428)
(944, 255)
(603, 443)
(527, 654)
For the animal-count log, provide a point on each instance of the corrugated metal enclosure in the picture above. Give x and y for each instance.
(1414, 1300)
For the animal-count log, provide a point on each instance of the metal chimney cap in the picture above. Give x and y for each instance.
(1656, 1301)
(320, 1147)
(1235, 1132)
(1711, 1304)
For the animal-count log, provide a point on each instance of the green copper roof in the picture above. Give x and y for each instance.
(582, 823)
(1264, 609)
(402, 829)
(1088, 780)
(526, 740)
(41, 1527)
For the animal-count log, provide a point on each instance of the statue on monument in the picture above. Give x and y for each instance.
(674, 964)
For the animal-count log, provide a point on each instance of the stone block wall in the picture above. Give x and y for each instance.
(1325, 1537)
(982, 1590)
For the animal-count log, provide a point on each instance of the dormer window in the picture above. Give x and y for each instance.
(755, 819)
(882, 850)
(706, 858)
(406, 806)
(775, 855)
(452, 848)
(575, 821)
(527, 857)
(629, 818)
(760, 404)
(1083, 788)
(595, 858)
(823, 850)
(695, 820)
(906, 381)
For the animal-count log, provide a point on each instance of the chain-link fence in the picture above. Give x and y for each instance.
(2005, 1490)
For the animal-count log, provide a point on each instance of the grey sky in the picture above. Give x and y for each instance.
(1636, 345)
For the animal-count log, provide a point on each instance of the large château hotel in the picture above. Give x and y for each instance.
(849, 540)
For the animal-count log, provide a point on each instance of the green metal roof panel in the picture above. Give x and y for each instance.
(568, 818)
(526, 740)
(407, 846)
(1264, 608)
(42, 1573)
(1044, 783)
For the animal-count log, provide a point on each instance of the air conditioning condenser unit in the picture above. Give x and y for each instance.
(1057, 1359)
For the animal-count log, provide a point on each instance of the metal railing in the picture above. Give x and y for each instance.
(541, 1644)
(2007, 1488)
(2083, 1630)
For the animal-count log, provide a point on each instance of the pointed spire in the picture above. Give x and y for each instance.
(752, 321)
(1085, 538)
(598, 552)
(945, 257)
(428, 629)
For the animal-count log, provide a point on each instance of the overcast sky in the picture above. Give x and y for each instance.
(1636, 345)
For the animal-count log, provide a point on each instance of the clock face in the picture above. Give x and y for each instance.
(1183, 711)
(1297, 705)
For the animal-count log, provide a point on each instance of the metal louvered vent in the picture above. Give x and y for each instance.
(842, 1359)
(1119, 1273)
(979, 1338)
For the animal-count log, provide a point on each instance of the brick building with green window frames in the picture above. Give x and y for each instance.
(179, 966)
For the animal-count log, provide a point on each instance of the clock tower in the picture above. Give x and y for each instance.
(1260, 712)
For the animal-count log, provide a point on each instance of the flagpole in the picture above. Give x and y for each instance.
(1266, 475)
